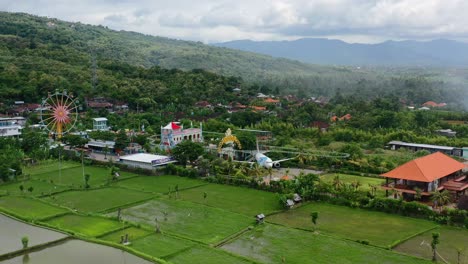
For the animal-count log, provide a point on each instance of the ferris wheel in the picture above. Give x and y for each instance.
(59, 113)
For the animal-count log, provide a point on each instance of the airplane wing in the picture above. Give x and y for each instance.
(281, 160)
(244, 161)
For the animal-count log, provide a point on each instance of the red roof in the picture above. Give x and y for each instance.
(271, 100)
(258, 108)
(426, 169)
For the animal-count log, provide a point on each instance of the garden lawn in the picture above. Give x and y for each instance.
(378, 228)
(74, 176)
(40, 188)
(98, 200)
(133, 234)
(90, 226)
(450, 239)
(159, 245)
(206, 255)
(276, 244)
(159, 184)
(190, 220)
(246, 201)
(49, 166)
(346, 178)
(27, 208)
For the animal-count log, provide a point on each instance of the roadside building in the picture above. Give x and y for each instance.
(145, 160)
(101, 146)
(9, 127)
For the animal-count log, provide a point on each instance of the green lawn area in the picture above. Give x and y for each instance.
(450, 238)
(206, 255)
(97, 200)
(90, 226)
(133, 234)
(246, 201)
(29, 208)
(378, 228)
(49, 166)
(159, 245)
(74, 176)
(202, 223)
(40, 188)
(365, 181)
(276, 244)
(159, 184)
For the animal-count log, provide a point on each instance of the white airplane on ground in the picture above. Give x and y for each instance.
(266, 162)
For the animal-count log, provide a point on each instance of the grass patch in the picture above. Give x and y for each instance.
(205, 255)
(378, 228)
(159, 184)
(365, 181)
(90, 226)
(133, 234)
(450, 238)
(246, 201)
(28, 208)
(97, 200)
(158, 245)
(275, 244)
(190, 220)
(74, 176)
(40, 188)
(49, 166)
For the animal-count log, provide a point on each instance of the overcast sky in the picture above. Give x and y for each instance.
(364, 21)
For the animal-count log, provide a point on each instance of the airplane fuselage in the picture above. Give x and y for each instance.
(263, 160)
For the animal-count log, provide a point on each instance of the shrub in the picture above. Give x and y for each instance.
(25, 241)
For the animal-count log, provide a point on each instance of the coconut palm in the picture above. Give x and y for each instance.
(337, 183)
(441, 198)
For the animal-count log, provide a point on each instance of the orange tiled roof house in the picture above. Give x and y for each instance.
(434, 172)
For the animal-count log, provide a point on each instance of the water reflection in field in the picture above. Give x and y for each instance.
(77, 252)
(12, 231)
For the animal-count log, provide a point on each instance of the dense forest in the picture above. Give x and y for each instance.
(41, 54)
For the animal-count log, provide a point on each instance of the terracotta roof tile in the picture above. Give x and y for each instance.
(426, 169)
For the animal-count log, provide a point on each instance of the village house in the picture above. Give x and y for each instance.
(434, 172)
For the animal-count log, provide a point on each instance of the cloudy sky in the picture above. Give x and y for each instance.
(364, 21)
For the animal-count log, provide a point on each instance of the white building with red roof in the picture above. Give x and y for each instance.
(174, 133)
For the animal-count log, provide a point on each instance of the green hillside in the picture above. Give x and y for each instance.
(39, 55)
(144, 50)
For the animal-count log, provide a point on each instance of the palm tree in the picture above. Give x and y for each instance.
(337, 183)
(302, 157)
(356, 184)
(441, 198)
(373, 188)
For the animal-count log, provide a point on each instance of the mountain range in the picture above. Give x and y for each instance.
(436, 53)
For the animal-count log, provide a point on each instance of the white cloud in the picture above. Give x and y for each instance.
(221, 20)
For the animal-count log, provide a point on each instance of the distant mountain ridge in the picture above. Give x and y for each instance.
(437, 53)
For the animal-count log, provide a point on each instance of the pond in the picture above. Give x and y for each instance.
(12, 231)
(77, 252)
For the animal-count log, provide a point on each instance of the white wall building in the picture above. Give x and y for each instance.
(100, 124)
(9, 127)
(145, 160)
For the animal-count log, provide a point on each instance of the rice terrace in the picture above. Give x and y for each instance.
(173, 219)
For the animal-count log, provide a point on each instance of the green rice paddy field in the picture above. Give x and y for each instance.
(220, 228)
